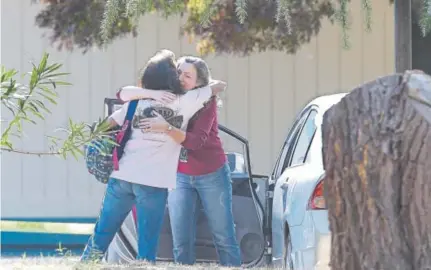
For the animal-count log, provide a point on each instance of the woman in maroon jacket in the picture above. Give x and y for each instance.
(203, 174)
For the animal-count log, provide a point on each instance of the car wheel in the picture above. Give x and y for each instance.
(287, 249)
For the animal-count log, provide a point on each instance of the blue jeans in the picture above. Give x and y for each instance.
(119, 198)
(215, 192)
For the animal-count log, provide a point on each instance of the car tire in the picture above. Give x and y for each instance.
(287, 249)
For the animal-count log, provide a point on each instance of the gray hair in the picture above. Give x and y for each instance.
(203, 74)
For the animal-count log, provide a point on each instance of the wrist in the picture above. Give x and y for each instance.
(168, 128)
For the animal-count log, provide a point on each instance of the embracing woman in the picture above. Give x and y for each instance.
(149, 164)
(203, 173)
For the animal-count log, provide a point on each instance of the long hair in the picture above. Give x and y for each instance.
(160, 73)
(203, 75)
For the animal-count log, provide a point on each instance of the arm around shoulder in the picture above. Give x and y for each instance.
(128, 93)
(203, 94)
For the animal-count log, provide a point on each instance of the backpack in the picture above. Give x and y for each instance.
(102, 156)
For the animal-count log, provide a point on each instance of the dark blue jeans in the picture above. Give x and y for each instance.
(215, 192)
(119, 198)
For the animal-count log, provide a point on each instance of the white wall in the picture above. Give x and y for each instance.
(265, 92)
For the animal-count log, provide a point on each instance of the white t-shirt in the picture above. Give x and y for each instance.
(152, 158)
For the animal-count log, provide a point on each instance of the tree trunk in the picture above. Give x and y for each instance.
(377, 157)
(403, 35)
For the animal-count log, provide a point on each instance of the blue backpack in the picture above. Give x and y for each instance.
(101, 157)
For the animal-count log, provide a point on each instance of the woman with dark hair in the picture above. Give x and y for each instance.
(203, 174)
(148, 167)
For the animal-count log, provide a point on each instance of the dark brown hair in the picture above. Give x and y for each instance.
(160, 73)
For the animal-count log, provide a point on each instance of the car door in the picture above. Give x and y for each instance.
(248, 206)
(290, 165)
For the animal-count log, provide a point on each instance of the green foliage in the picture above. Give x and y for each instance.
(77, 23)
(295, 24)
(29, 102)
(223, 26)
(425, 17)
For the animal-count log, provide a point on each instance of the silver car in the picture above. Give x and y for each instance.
(300, 228)
(280, 220)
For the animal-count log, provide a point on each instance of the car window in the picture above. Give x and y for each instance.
(314, 155)
(296, 127)
(302, 145)
(282, 156)
(286, 156)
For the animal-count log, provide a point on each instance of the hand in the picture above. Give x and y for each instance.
(154, 124)
(164, 97)
(217, 86)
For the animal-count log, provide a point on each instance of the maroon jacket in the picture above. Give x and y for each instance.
(204, 150)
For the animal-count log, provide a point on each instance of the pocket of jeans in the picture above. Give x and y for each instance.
(221, 176)
(116, 187)
(226, 173)
(112, 182)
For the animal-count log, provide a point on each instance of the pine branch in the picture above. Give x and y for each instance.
(208, 11)
(425, 17)
(342, 16)
(132, 8)
(241, 10)
(110, 17)
(136, 8)
(33, 153)
(366, 7)
(234, 26)
(283, 13)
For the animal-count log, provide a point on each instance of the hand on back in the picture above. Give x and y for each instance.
(217, 86)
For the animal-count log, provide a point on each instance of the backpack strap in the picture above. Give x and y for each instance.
(124, 134)
(131, 110)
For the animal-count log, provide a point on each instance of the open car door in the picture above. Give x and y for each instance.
(249, 203)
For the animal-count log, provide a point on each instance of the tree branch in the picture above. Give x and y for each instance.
(31, 152)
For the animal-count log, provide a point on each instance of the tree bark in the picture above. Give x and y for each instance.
(377, 157)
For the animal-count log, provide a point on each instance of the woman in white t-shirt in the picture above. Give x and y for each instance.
(148, 166)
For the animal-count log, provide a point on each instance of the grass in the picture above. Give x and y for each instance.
(69, 263)
(46, 227)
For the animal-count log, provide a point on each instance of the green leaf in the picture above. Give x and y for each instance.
(29, 101)
(50, 99)
(60, 83)
(53, 67)
(41, 105)
(76, 152)
(6, 143)
(42, 63)
(9, 105)
(34, 78)
(6, 75)
(27, 119)
(35, 110)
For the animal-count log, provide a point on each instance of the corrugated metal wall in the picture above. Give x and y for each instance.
(265, 93)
